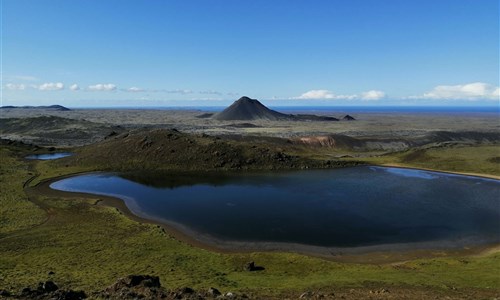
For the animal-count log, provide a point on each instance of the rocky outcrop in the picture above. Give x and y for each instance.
(251, 266)
(49, 290)
(135, 286)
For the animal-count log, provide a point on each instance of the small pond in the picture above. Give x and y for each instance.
(49, 156)
(351, 207)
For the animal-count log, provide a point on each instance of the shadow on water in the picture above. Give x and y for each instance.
(176, 179)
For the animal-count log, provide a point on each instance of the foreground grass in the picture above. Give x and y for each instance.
(89, 246)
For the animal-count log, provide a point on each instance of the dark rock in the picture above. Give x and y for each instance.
(136, 280)
(4, 293)
(214, 292)
(47, 286)
(69, 295)
(111, 134)
(26, 291)
(134, 286)
(51, 273)
(252, 267)
(186, 290)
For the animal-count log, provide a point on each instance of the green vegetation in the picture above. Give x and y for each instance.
(479, 159)
(89, 246)
(16, 211)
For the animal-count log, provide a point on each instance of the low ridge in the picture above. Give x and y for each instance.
(55, 107)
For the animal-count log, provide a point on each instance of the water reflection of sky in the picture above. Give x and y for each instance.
(408, 172)
(49, 156)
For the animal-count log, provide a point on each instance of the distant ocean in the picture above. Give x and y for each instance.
(343, 109)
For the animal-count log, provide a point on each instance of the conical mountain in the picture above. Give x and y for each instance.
(246, 108)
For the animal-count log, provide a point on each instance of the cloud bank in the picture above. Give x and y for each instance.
(326, 94)
(51, 86)
(469, 91)
(134, 90)
(372, 95)
(15, 87)
(107, 87)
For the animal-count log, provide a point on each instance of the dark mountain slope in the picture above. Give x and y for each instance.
(246, 108)
(249, 109)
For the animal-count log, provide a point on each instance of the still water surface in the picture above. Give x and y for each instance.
(349, 207)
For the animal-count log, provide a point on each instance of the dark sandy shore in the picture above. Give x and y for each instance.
(390, 253)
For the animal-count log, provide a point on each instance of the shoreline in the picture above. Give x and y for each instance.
(402, 166)
(388, 253)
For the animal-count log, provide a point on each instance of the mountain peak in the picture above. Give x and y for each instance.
(245, 98)
(247, 108)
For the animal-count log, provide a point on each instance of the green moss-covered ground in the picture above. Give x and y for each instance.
(16, 211)
(479, 159)
(89, 246)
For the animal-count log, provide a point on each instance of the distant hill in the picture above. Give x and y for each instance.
(55, 107)
(246, 108)
(348, 118)
(53, 130)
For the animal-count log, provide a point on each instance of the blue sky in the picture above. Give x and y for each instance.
(284, 52)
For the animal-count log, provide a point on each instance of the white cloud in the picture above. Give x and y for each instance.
(317, 94)
(15, 87)
(102, 87)
(469, 91)
(134, 89)
(323, 94)
(372, 95)
(51, 86)
(326, 94)
(496, 93)
(74, 87)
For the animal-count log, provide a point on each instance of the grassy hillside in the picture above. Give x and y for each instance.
(89, 246)
(162, 149)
